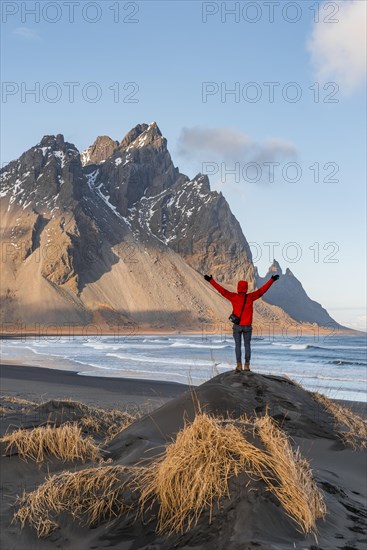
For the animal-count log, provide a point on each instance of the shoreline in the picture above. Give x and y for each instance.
(43, 383)
(35, 383)
(125, 331)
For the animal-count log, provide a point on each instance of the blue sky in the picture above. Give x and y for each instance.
(169, 50)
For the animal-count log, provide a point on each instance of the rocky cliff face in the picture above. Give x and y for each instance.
(118, 234)
(101, 149)
(155, 200)
(48, 186)
(141, 166)
(48, 176)
(198, 224)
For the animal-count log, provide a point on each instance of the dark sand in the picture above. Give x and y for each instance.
(249, 520)
(41, 384)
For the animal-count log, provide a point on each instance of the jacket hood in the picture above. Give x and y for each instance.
(242, 286)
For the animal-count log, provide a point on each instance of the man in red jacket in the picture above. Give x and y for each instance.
(242, 302)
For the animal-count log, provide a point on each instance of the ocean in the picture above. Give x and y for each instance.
(334, 365)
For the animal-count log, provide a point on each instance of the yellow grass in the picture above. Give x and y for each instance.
(109, 422)
(100, 421)
(356, 434)
(17, 400)
(295, 487)
(190, 476)
(64, 442)
(194, 471)
(91, 495)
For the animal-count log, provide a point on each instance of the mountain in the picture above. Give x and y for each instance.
(290, 295)
(117, 234)
(101, 149)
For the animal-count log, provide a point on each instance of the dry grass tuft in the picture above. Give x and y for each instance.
(356, 434)
(194, 471)
(64, 442)
(4, 410)
(191, 475)
(91, 495)
(18, 401)
(100, 421)
(294, 485)
(108, 422)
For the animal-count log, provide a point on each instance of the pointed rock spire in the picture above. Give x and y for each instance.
(133, 134)
(143, 135)
(275, 268)
(99, 151)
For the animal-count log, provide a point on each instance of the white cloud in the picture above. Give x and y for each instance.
(26, 33)
(226, 144)
(338, 50)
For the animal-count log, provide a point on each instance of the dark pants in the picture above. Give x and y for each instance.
(246, 330)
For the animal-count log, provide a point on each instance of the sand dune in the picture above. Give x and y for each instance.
(251, 516)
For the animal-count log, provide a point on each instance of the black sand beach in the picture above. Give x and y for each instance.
(39, 383)
(251, 519)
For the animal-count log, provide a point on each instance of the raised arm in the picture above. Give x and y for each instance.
(223, 291)
(260, 291)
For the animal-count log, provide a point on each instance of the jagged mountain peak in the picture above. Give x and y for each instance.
(289, 294)
(131, 193)
(153, 129)
(275, 268)
(142, 135)
(47, 177)
(54, 143)
(203, 180)
(102, 148)
(140, 166)
(133, 134)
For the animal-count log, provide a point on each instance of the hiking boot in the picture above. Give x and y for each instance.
(246, 366)
(239, 367)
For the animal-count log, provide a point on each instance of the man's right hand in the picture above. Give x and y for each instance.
(208, 277)
(275, 277)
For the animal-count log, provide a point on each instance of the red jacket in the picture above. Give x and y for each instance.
(236, 298)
